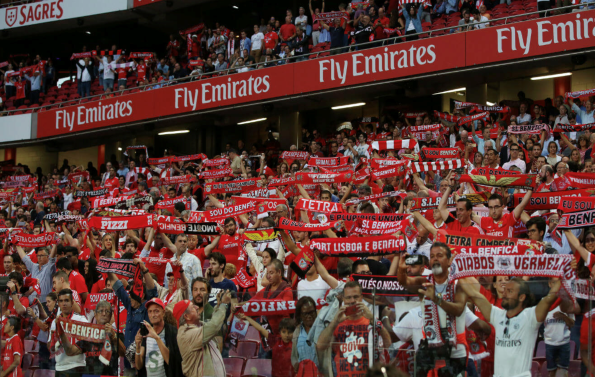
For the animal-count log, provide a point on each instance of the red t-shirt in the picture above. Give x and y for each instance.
(351, 347)
(282, 356)
(174, 51)
(200, 254)
(14, 346)
(502, 228)
(274, 320)
(77, 282)
(111, 183)
(154, 253)
(24, 301)
(20, 85)
(230, 247)
(379, 31)
(141, 74)
(455, 226)
(287, 30)
(122, 73)
(270, 40)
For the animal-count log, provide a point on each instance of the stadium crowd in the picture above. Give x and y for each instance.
(202, 51)
(178, 264)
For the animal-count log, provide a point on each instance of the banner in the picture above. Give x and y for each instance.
(550, 266)
(520, 247)
(34, 240)
(521, 181)
(123, 267)
(91, 194)
(316, 178)
(433, 153)
(549, 200)
(577, 220)
(422, 204)
(318, 206)
(378, 228)
(202, 229)
(121, 223)
(244, 185)
(328, 161)
(490, 109)
(529, 38)
(256, 308)
(381, 285)
(359, 246)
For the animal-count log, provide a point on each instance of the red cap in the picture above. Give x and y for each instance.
(180, 308)
(155, 301)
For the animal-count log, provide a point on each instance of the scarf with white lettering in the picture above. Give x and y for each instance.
(573, 127)
(574, 220)
(292, 190)
(318, 206)
(413, 115)
(123, 267)
(89, 332)
(491, 109)
(79, 55)
(462, 105)
(290, 156)
(47, 194)
(350, 218)
(447, 117)
(169, 204)
(216, 174)
(108, 202)
(133, 147)
(214, 162)
(551, 200)
(219, 214)
(435, 166)
(418, 130)
(580, 180)
(121, 222)
(91, 194)
(432, 324)
(268, 307)
(422, 204)
(434, 153)
(531, 129)
(381, 285)
(329, 17)
(521, 181)
(135, 202)
(76, 178)
(111, 212)
(359, 246)
(470, 118)
(518, 246)
(328, 161)
(34, 240)
(372, 197)
(287, 224)
(545, 265)
(317, 178)
(140, 55)
(389, 171)
(63, 217)
(583, 289)
(180, 179)
(394, 144)
(580, 93)
(377, 163)
(191, 157)
(457, 240)
(378, 228)
(244, 185)
(276, 182)
(131, 64)
(94, 298)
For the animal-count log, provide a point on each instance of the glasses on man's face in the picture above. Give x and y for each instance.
(493, 208)
(531, 231)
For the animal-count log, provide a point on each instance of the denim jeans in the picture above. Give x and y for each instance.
(85, 89)
(122, 82)
(557, 356)
(108, 83)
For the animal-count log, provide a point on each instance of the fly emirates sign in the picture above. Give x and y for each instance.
(380, 63)
(530, 38)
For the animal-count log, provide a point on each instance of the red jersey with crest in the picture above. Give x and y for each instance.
(141, 72)
(77, 282)
(13, 347)
(230, 246)
(502, 228)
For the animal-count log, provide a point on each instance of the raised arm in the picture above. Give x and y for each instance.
(544, 305)
(323, 272)
(442, 207)
(469, 286)
(425, 223)
(518, 210)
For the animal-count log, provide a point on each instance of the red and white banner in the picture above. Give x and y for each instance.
(295, 155)
(434, 153)
(378, 228)
(394, 144)
(530, 38)
(56, 10)
(435, 166)
(318, 206)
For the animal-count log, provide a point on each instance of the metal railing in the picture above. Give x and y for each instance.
(292, 59)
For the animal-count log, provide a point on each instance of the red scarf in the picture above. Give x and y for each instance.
(76, 177)
(491, 109)
(580, 93)
(170, 203)
(522, 181)
(391, 171)
(378, 228)
(216, 174)
(531, 129)
(431, 328)
(470, 118)
(79, 55)
(393, 144)
(373, 197)
(435, 166)
(108, 202)
(359, 246)
(318, 206)
(413, 115)
(47, 194)
(276, 182)
(575, 204)
(433, 203)
(317, 178)
(255, 308)
(336, 169)
(214, 162)
(32, 240)
(462, 105)
(377, 163)
(447, 117)
(573, 128)
(86, 332)
(550, 200)
(457, 240)
(121, 222)
(133, 147)
(434, 153)
(287, 224)
(580, 180)
(180, 179)
(225, 212)
(290, 156)
(244, 185)
(137, 55)
(328, 161)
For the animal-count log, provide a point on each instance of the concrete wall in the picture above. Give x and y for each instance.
(38, 156)
(582, 80)
(79, 157)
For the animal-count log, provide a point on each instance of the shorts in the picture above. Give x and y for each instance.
(557, 357)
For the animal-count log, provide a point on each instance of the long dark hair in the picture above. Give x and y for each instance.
(93, 276)
(304, 301)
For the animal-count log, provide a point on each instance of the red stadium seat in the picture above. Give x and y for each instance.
(43, 373)
(260, 367)
(246, 349)
(234, 366)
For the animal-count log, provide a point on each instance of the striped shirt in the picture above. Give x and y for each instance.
(43, 275)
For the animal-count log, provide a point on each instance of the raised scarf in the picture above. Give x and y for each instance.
(63, 217)
(491, 109)
(377, 163)
(580, 180)
(359, 246)
(288, 224)
(573, 127)
(434, 153)
(276, 182)
(421, 204)
(470, 118)
(382, 285)
(76, 178)
(521, 181)
(170, 203)
(87, 54)
(435, 166)
(378, 228)
(140, 55)
(121, 222)
(413, 115)
(47, 194)
(575, 203)
(34, 240)
(87, 332)
(350, 218)
(374, 197)
(447, 117)
(202, 229)
(244, 185)
(574, 220)
(318, 206)
(123, 267)
(459, 239)
(317, 178)
(133, 147)
(531, 129)
(216, 174)
(328, 161)
(580, 93)
(550, 200)
(462, 105)
(91, 194)
(432, 321)
(336, 169)
(108, 202)
(390, 171)
(394, 144)
(222, 213)
(268, 307)
(290, 156)
(170, 225)
(180, 179)
(214, 162)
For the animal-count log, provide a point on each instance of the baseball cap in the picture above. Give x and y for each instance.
(180, 308)
(155, 301)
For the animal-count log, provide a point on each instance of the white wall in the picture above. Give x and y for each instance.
(15, 127)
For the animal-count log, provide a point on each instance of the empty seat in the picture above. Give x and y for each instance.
(234, 366)
(259, 367)
(245, 349)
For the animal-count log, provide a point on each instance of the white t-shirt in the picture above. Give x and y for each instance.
(409, 328)
(518, 162)
(556, 332)
(107, 69)
(315, 289)
(64, 362)
(523, 118)
(153, 358)
(301, 20)
(514, 351)
(257, 41)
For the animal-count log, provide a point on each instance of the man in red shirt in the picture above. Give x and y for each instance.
(173, 46)
(141, 71)
(270, 40)
(498, 224)
(13, 350)
(230, 244)
(76, 280)
(18, 304)
(112, 181)
(288, 31)
(464, 210)
(380, 24)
